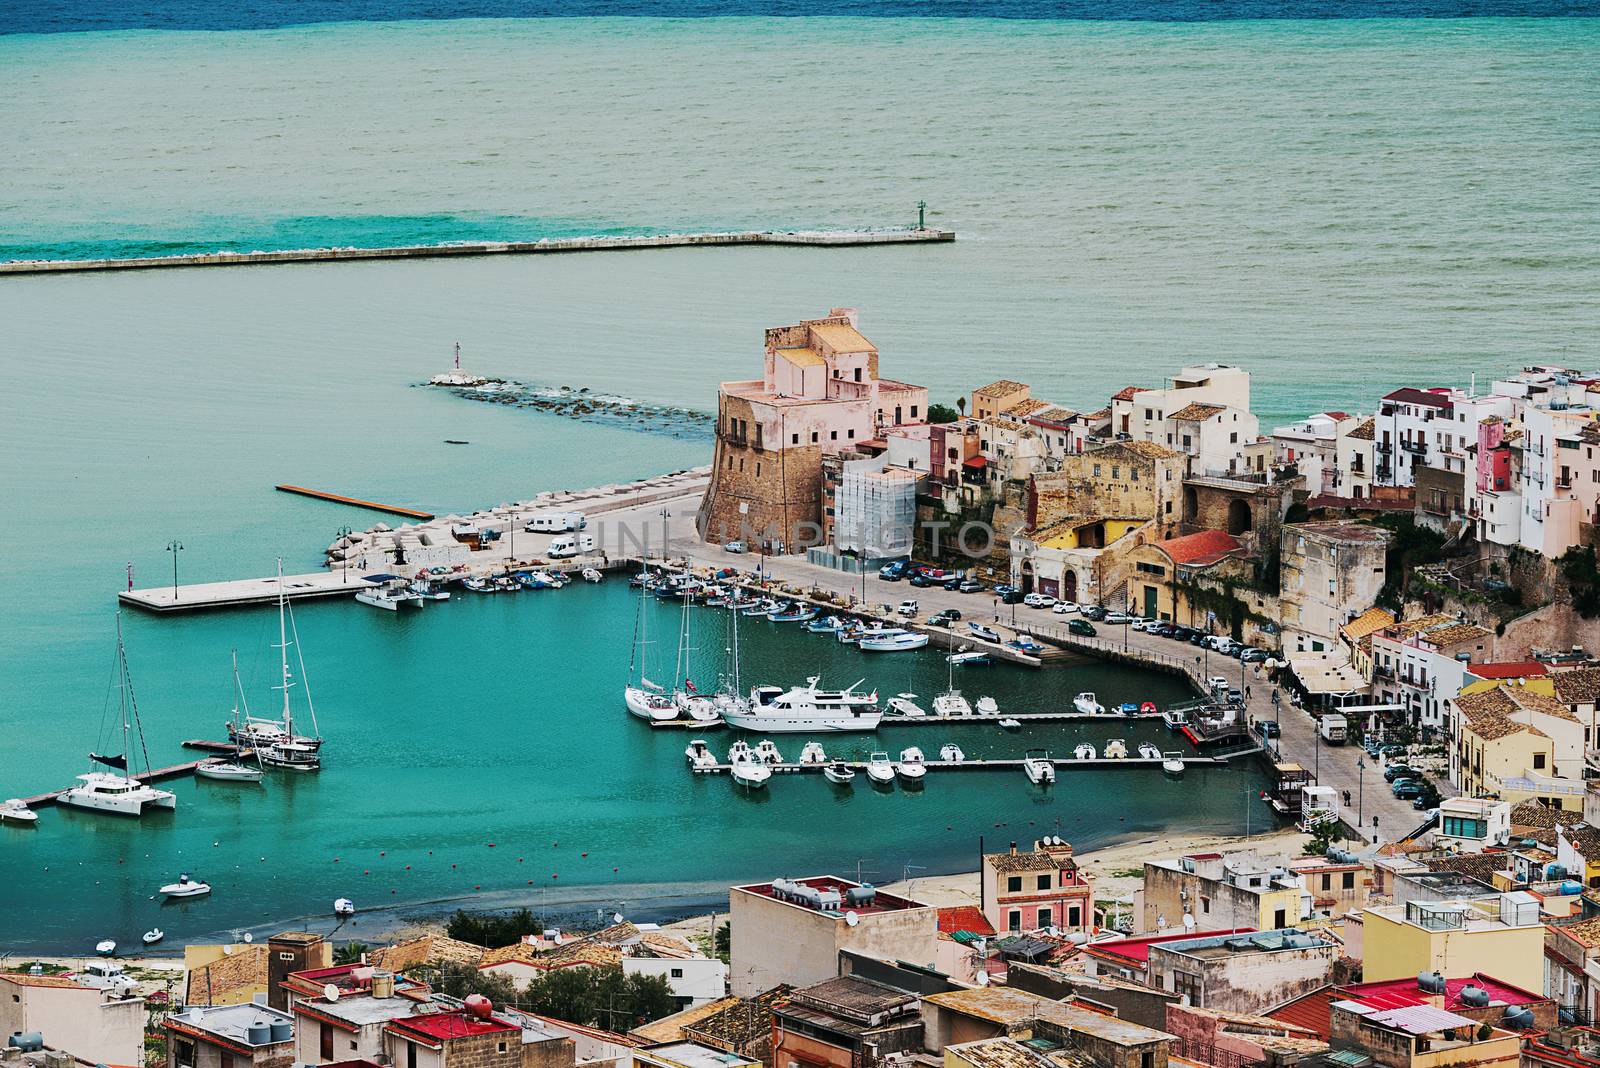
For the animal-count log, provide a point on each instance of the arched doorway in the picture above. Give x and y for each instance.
(1027, 576)
(1238, 517)
(1191, 505)
(1069, 585)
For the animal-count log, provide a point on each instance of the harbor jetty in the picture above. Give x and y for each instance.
(801, 238)
(354, 502)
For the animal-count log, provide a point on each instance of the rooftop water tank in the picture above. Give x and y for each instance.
(1475, 996)
(27, 1041)
(258, 1033)
(479, 1006)
(1570, 887)
(1518, 1018)
(828, 899)
(865, 894)
(282, 1030)
(1430, 982)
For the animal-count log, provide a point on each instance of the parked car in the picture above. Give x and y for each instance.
(1118, 619)
(944, 617)
(952, 583)
(1268, 728)
(1004, 588)
(908, 608)
(1011, 597)
(1094, 612)
(1396, 772)
(1080, 627)
(1253, 656)
(1181, 633)
(1407, 789)
(1063, 608)
(1163, 629)
(970, 586)
(1198, 638)
(734, 547)
(921, 581)
(890, 574)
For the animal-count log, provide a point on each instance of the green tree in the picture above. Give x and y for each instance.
(350, 953)
(942, 413)
(649, 998)
(724, 943)
(566, 994)
(1583, 579)
(492, 929)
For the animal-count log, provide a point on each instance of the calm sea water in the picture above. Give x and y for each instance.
(1343, 205)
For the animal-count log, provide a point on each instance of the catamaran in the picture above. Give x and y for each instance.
(116, 791)
(806, 708)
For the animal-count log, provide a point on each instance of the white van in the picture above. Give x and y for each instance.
(1333, 729)
(555, 522)
(570, 545)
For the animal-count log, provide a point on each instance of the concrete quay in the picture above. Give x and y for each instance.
(803, 238)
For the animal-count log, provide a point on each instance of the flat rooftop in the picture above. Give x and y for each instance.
(881, 901)
(1005, 1006)
(231, 1022)
(1137, 950)
(694, 1055)
(1238, 945)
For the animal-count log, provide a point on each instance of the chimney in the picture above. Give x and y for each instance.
(1013, 849)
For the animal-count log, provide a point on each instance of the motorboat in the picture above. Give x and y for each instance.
(1026, 644)
(1116, 749)
(905, 704)
(1126, 708)
(813, 754)
(106, 948)
(1147, 708)
(15, 811)
(767, 753)
(951, 753)
(224, 770)
(649, 704)
(850, 633)
(751, 775)
(911, 767)
(796, 614)
(761, 608)
(507, 584)
(987, 706)
(825, 625)
(1176, 719)
(893, 640)
(186, 887)
(806, 708)
(988, 634)
(1084, 751)
(154, 935)
(480, 584)
(699, 754)
(292, 756)
(116, 791)
(879, 769)
(1038, 767)
(344, 907)
(1011, 723)
(388, 592)
(969, 658)
(591, 574)
(1086, 703)
(839, 773)
(951, 703)
(1148, 752)
(740, 752)
(1172, 763)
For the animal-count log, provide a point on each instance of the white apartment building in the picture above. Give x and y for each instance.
(1410, 426)
(1141, 414)
(1215, 437)
(1311, 445)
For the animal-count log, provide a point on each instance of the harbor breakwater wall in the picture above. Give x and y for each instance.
(813, 239)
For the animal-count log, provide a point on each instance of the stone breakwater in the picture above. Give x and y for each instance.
(585, 405)
(814, 238)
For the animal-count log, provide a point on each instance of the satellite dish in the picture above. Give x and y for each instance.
(227, 951)
(330, 992)
(616, 917)
(248, 938)
(851, 919)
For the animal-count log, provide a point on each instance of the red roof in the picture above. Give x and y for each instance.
(1137, 950)
(1127, 392)
(964, 918)
(1206, 547)
(1430, 397)
(1404, 991)
(1310, 1012)
(1516, 670)
(443, 1025)
(977, 461)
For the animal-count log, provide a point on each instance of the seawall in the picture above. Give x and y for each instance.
(814, 239)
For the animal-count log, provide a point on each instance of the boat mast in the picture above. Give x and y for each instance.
(283, 655)
(126, 702)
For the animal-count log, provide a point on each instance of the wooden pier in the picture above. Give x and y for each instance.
(355, 502)
(810, 239)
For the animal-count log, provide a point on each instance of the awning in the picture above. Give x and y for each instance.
(976, 462)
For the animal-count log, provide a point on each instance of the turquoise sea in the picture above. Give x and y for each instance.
(1343, 205)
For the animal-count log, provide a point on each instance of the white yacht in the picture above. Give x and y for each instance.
(108, 791)
(1116, 749)
(905, 704)
(813, 754)
(806, 708)
(1172, 763)
(1039, 769)
(893, 640)
(233, 768)
(15, 811)
(1085, 751)
(1148, 752)
(911, 767)
(988, 706)
(701, 708)
(274, 740)
(839, 773)
(951, 753)
(1088, 704)
(751, 775)
(740, 753)
(951, 703)
(640, 696)
(186, 887)
(879, 769)
(388, 592)
(767, 753)
(344, 907)
(699, 754)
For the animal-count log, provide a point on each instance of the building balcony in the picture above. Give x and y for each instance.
(1383, 447)
(1416, 448)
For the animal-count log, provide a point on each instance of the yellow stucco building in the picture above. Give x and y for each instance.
(1502, 938)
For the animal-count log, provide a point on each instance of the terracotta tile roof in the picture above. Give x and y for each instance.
(1367, 623)
(1098, 414)
(1480, 866)
(516, 952)
(60, 981)
(424, 950)
(999, 388)
(1197, 412)
(1127, 392)
(1456, 634)
(802, 357)
(663, 944)
(1150, 450)
(746, 1021)
(1409, 395)
(1580, 686)
(1023, 409)
(1585, 932)
(1520, 669)
(1407, 627)
(670, 1028)
(1053, 415)
(1310, 1012)
(1366, 431)
(1488, 714)
(1532, 814)
(1031, 861)
(225, 979)
(964, 918)
(1206, 547)
(997, 1053)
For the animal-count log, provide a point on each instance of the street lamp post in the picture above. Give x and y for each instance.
(1361, 790)
(343, 535)
(174, 547)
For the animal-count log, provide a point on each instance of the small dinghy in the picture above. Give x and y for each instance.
(154, 935)
(1011, 724)
(1085, 751)
(186, 887)
(839, 773)
(1148, 751)
(344, 907)
(1116, 749)
(591, 575)
(107, 948)
(988, 706)
(813, 754)
(1147, 708)
(951, 753)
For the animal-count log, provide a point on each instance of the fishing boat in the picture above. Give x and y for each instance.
(423, 589)
(762, 607)
(186, 887)
(806, 708)
(1011, 724)
(951, 753)
(1172, 763)
(591, 574)
(1084, 751)
(699, 754)
(1038, 767)
(1175, 718)
(969, 658)
(839, 773)
(1086, 703)
(480, 584)
(768, 753)
(289, 751)
(742, 603)
(850, 633)
(905, 704)
(233, 769)
(15, 810)
(740, 753)
(343, 906)
(892, 640)
(1116, 749)
(795, 613)
(988, 634)
(813, 754)
(507, 584)
(1148, 752)
(911, 768)
(988, 706)
(825, 625)
(388, 592)
(154, 935)
(750, 775)
(116, 791)
(879, 769)
(107, 948)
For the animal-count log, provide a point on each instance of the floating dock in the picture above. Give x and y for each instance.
(986, 764)
(355, 502)
(813, 239)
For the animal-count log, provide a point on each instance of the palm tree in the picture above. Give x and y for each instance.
(350, 953)
(961, 406)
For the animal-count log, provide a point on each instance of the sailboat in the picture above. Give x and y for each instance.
(116, 791)
(232, 769)
(280, 747)
(645, 699)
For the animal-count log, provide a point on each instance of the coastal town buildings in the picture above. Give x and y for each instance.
(1243, 973)
(1499, 936)
(92, 1024)
(1332, 572)
(240, 1036)
(1201, 890)
(1042, 888)
(847, 1022)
